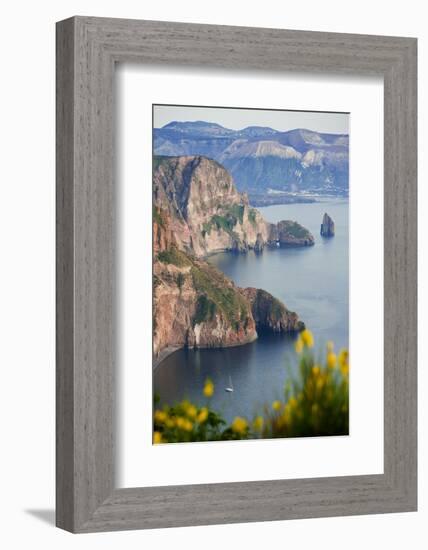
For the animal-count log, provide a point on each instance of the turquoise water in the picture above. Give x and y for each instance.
(313, 281)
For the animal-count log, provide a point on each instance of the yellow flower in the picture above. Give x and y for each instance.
(187, 425)
(331, 360)
(160, 416)
(315, 370)
(276, 405)
(157, 438)
(258, 423)
(239, 425)
(191, 412)
(170, 422)
(307, 338)
(344, 369)
(180, 422)
(298, 346)
(208, 388)
(343, 357)
(202, 416)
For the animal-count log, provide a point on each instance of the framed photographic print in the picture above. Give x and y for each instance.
(236, 274)
(226, 205)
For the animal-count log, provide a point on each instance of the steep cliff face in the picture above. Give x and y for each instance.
(327, 226)
(194, 304)
(207, 213)
(271, 314)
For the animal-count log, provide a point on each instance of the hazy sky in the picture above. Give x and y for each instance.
(237, 119)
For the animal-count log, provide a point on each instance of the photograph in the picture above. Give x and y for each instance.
(250, 266)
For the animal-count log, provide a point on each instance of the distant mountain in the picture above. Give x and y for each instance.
(261, 158)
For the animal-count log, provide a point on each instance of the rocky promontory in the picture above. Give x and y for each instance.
(291, 233)
(327, 226)
(209, 215)
(195, 305)
(270, 313)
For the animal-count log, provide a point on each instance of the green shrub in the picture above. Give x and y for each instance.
(173, 256)
(205, 310)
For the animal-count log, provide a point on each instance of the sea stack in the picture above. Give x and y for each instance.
(327, 226)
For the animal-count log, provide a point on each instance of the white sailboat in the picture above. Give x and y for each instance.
(230, 387)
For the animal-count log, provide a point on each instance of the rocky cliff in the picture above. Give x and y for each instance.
(291, 233)
(195, 305)
(271, 314)
(327, 226)
(207, 214)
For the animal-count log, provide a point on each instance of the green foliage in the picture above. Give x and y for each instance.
(205, 310)
(210, 283)
(173, 256)
(185, 422)
(236, 211)
(223, 222)
(226, 219)
(296, 230)
(315, 403)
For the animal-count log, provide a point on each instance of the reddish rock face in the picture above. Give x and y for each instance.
(195, 305)
(163, 237)
(207, 213)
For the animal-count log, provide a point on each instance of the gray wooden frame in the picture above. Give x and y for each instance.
(87, 50)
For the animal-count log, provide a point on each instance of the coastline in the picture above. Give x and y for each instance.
(169, 350)
(166, 352)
